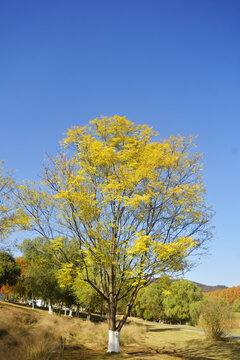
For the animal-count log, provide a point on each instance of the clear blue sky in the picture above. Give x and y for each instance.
(172, 64)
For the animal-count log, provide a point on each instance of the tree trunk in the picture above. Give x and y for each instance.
(113, 341)
(32, 302)
(89, 313)
(113, 334)
(50, 309)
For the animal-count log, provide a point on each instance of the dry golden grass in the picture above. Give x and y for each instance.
(22, 338)
(35, 335)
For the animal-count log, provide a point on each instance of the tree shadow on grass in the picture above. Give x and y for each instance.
(162, 330)
(128, 352)
(205, 350)
(77, 352)
(150, 328)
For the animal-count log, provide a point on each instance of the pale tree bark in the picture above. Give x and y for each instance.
(50, 309)
(32, 302)
(113, 341)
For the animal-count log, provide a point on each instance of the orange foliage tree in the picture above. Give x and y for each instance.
(229, 294)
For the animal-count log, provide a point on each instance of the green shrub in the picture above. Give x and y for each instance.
(215, 318)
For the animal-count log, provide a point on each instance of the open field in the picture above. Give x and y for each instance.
(27, 334)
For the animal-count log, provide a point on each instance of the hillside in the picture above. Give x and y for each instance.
(230, 294)
(203, 287)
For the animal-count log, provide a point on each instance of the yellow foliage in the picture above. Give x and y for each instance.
(11, 217)
(134, 202)
(66, 274)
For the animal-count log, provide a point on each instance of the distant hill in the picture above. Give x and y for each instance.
(208, 288)
(203, 287)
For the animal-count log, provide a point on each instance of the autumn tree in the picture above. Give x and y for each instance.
(11, 218)
(18, 290)
(135, 204)
(229, 294)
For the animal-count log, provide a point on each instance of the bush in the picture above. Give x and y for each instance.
(215, 318)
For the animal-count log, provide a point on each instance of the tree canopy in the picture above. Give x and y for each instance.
(9, 269)
(177, 303)
(149, 303)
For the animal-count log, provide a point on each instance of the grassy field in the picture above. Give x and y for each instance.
(27, 334)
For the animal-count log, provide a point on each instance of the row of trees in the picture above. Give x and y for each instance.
(131, 206)
(182, 301)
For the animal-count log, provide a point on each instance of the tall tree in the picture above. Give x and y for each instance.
(9, 269)
(135, 205)
(149, 302)
(177, 303)
(40, 275)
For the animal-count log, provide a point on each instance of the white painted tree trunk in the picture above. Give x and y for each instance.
(32, 305)
(50, 310)
(65, 312)
(113, 341)
(70, 312)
